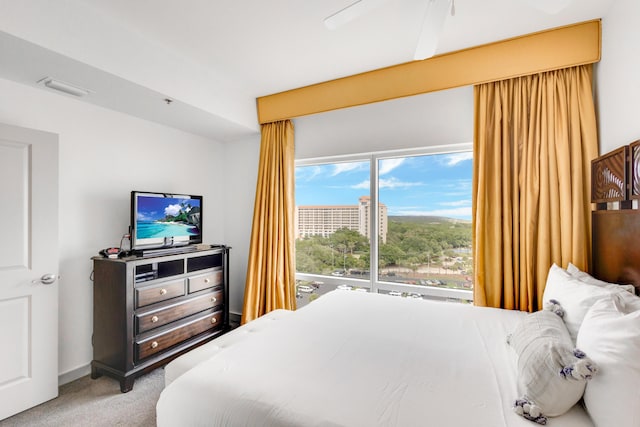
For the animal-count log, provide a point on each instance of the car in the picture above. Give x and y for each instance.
(345, 287)
(395, 293)
(304, 288)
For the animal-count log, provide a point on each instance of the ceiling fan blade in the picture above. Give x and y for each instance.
(351, 12)
(434, 17)
(548, 6)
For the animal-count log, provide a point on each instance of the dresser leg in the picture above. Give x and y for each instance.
(126, 384)
(95, 373)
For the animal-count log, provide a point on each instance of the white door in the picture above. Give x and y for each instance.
(28, 268)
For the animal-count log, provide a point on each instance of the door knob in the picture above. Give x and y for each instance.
(46, 279)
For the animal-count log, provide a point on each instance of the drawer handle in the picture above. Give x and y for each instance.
(163, 291)
(214, 299)
(213, 320)
(207, 280)
(154, 319)
(154, 344)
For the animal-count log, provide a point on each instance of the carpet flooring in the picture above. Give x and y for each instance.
(97, 403)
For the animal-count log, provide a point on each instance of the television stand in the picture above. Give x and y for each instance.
(149, 310)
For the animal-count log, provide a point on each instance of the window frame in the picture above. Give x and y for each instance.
(374, 284)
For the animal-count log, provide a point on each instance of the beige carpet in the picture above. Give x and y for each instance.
(96, 403)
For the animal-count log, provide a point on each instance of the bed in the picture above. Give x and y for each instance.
(354, 359)
(364, 359)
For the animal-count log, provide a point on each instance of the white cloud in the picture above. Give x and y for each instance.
(141, 216)
(307, 173)
(456, 188)
(339, 168)
(362, 185)
(455, 158)
(466, 202)
(387, 183)
(387, 165)
(172, 210)
(395, 183)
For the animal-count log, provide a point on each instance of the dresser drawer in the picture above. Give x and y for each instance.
(161, 292)
(153, 319)
(205, 281)
(158, 343)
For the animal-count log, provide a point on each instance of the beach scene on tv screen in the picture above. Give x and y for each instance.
(167, 217)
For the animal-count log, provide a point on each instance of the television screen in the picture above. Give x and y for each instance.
(164, 220)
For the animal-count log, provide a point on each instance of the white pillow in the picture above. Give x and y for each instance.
(610, 335)
(551, 374)
(587, 278)
(575, 296)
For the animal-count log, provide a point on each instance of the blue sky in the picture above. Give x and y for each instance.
(154, 208)
(438, 185)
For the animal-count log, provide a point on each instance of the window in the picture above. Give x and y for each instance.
(332, 236)
(405, 216)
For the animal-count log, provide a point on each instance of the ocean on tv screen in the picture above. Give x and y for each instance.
(153, 229)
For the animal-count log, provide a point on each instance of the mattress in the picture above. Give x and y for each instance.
(355, 359)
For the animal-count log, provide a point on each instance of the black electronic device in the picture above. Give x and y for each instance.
(111, 252)
(160, 220)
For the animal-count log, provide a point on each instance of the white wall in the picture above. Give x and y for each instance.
(437, 118)
(618, 78)
(103, 156)
(241, 160)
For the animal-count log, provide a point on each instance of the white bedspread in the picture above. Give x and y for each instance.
(355, 359)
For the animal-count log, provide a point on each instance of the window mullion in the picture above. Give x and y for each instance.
(373, 223)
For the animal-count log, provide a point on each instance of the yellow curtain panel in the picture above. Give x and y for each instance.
(271, 266)
(534, 139)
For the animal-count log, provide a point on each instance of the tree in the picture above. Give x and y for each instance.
(410, 243)
(351, 239)
(389, 255)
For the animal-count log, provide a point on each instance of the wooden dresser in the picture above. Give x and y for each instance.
(149, 310)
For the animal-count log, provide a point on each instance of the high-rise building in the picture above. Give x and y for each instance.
(325, 220)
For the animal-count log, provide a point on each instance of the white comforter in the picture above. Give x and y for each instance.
(355, 359)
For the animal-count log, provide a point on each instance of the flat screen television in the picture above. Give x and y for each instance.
(160, 220)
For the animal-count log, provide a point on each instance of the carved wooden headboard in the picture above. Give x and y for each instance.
(615, 189)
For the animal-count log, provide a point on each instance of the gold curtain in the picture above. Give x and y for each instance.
(271, 269)
(534, 139)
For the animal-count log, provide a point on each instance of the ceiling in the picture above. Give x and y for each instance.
(212, 58)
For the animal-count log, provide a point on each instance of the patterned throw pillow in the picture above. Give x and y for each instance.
(552, 374)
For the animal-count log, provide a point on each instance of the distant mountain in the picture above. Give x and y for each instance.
(428, 219)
